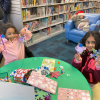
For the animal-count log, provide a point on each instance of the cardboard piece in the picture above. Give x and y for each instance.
(13, 91)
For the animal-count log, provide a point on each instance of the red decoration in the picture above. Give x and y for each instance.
(54, 68)
(80, 13)
(55, 74)
(99, 25)
(58, 62)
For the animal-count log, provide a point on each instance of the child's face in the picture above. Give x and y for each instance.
(90, 43)
(10, 34)
(81, 16)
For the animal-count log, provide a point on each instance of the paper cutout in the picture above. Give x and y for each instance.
(42, 82)
(80, 48)
(22, 39)
(19, 75)
(73, 94)
(41, 95)
(50, 63)
(95, 54)
(55, 74)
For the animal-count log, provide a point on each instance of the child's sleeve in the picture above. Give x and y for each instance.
(97, 73)
(28, 34)
(74, 17)
(2, 45)
(76, 64)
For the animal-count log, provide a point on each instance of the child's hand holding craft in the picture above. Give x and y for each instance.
(22, 32)
(78, 57)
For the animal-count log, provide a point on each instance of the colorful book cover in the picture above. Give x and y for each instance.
(42, 82)
(50, 63)
(73, 94)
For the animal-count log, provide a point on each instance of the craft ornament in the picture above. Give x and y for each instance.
(95, 54)
(1, 38)
(55, 74)
(80, 48)
(22, 38)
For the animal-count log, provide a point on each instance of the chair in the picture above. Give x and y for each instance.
(75, 35)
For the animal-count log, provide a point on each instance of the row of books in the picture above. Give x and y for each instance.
(95, 10)
(35, 25)
(31, 25)
(26, 3)
(44, 22)
(45, 11)
(45, 32)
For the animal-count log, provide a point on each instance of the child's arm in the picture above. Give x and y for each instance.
(2, 45)
(74, 17)
(97, 70)
(77, 61)
(25, 32)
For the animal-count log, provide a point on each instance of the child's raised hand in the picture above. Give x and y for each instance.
(98, 61)
(78, 57)
(22, 32)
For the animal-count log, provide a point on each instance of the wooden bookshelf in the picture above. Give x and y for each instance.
(41, 32)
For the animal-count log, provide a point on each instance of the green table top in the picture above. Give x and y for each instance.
(75, 81)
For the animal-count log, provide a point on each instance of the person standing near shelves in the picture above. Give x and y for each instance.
(5, 5)
(1, 13)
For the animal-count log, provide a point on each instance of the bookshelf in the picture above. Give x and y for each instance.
(47, 18)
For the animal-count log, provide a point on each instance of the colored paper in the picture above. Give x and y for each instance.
(19, 75)
(41, 95)
(73, 94)
(42, 82)
(50, 63)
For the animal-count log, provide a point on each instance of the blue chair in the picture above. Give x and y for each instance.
(75, 35)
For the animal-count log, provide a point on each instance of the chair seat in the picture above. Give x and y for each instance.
(77, 32)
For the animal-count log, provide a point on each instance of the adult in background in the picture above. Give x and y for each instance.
(5, 5)
(1, 13)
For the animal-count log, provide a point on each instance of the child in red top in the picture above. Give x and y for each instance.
(88, 66)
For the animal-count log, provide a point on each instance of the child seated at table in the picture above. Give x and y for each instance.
(11, 47)
(80, 22)
(88, 66)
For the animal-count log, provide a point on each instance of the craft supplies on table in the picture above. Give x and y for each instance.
(73, 94)
(42, 82)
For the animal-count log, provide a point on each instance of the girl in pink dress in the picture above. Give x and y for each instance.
(11, 46)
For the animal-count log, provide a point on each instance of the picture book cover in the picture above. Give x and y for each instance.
(73, 94)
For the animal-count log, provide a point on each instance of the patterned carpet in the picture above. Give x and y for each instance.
(55, 47)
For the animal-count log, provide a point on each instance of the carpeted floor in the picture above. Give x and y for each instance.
(55, 47)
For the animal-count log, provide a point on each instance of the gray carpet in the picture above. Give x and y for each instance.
(55, 47)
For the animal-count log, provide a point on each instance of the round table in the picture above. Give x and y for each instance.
(71, 77)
